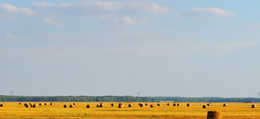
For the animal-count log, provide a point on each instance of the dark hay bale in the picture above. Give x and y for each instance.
(129, 105)
(40, 104)
(97, 105)
(151, 106)
(88, 106)
(51, 104)
(1, 105)
(174, 104)
(101, 105)
(65, 106)
(112, 104)
(20, 103)
(74, 103)
(158, 105)
(208, 104)
(34, 106)
(188, 104)
(214, 115)
(26, 105)
(146, 104)
(204, 107)
(71, 106)
(253, 106)
(168, 104)
(178, 104)
(30, 105)
(224, 105)
(120, 106)
(141, 105)
(45, 103)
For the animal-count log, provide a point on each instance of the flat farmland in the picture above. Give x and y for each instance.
(127, 110)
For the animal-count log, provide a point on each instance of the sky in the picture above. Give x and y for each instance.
(190, 48)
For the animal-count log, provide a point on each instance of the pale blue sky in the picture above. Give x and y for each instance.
(189, 48)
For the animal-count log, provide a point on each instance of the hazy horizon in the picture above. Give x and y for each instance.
(182, 48)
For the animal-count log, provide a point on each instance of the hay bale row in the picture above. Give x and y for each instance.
(69, 106)
(30, 105)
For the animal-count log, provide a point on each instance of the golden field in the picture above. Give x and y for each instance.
(164, 111)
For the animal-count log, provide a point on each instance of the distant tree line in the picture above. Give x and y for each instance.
(4, 98)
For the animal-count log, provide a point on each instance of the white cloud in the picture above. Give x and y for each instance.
(11, 12)
(100, 7)
(208, 12)
(52, 22)
(126, 20)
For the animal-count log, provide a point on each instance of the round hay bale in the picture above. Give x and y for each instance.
(20, 103)
(45, 103)
(253, 106)
(71, 106)
(174, 104)
(214, 115)
(34, 105)
(224, 105)
(30, 105)
(40, 104)
(51, 104)
(168, 104)
(129, 105)
(178, 104)
(65, 106)
(204, 107)
(208, 104)
(141, 105)
(88, 106)
(188, 104)
(74, 103)
(151, 106)
(146, 104)
(158, 105)
(101, 105)
(120, 106)
(112, 104)
(1, 105)
(98, 105)
(26, 105)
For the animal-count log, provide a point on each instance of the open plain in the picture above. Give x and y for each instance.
(127, 110)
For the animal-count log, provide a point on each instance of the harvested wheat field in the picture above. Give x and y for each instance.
(123, 110)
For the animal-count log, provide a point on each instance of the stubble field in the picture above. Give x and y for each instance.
(127, 110)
